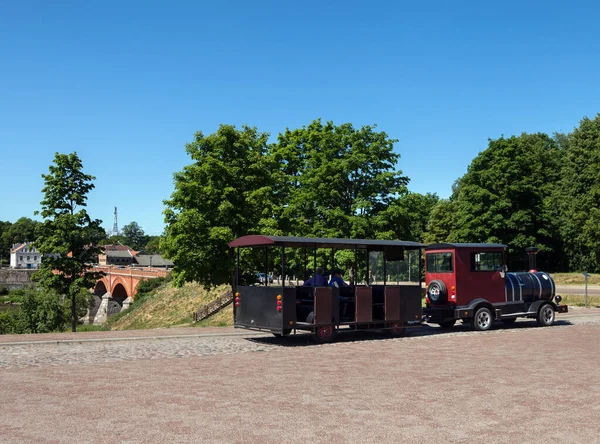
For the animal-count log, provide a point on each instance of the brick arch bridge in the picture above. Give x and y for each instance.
(117, 289)
(123, 282)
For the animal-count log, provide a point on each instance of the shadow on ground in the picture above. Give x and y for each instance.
(303, 338)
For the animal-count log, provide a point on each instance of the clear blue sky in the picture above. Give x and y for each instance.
(127, 83)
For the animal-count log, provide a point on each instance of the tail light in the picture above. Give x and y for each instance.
(237, 299)
(279, 302)
(453, 293)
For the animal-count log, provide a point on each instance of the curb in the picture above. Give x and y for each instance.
(132, 338)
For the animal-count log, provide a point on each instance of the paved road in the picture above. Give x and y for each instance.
(577, 289)
(537, 384)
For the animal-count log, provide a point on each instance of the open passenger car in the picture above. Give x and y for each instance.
(384, 291)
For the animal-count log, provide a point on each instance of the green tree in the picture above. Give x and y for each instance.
(442, 222)
(5, 243)
(68, 234)
(134, 236)
(153, 245)
(23, 230)
(504, 196)
(406, 217)
(334, 180)
(578, 197)
(43, 312)
(225, 193)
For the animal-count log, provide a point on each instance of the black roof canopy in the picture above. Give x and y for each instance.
(459, 245)
(316, 242)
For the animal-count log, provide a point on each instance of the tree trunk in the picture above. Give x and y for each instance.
(73, 314)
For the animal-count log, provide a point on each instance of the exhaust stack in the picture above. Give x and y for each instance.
(531, 252)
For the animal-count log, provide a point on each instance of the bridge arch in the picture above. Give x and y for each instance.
(120, 288)
(101, 287)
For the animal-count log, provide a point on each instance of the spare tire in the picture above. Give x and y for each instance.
(437, 292)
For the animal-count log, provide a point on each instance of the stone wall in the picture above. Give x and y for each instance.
(13, 279)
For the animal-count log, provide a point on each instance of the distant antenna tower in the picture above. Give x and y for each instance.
(115, 231)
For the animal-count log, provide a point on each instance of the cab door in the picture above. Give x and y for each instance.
(486, 275)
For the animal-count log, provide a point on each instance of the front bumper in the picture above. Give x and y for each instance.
(564, 308)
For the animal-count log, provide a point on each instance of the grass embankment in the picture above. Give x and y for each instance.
(167, 306)
(577, 279)
(574, 279)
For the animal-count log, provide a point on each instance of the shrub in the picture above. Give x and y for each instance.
(43, 312)
(11, 322)
(3, 290)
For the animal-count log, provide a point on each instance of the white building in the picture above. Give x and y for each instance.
(25, 256)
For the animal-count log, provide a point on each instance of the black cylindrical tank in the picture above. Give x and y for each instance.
(528, 287)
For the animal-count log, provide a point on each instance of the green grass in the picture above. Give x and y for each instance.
(578, 300)
(574, 279)
(88, 327)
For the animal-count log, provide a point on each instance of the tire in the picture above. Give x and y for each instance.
(482, 321)
(396, 330)
(448, 323)
(509, 321)
(545, 316)
(437, 292)
(324, 334)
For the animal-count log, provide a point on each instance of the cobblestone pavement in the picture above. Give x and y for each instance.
(41, 354)
(519, 384)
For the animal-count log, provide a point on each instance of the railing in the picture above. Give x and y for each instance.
(213, 307)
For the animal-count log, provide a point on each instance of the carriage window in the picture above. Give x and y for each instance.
(487, 261)
(439, 262)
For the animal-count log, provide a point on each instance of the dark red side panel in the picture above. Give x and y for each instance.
(364, 304)
(392, 304)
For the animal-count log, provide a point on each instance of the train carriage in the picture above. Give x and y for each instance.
(384, 291)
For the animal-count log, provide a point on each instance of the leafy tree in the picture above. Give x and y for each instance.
(334, 180)
(504, 196)
(43, 312)
(153, 245)
(68, 233)
(23, 230)
(406, 217)
(5, 243)
(578, 197)
(134, 236)
(115, 240)
(225, 193)
(442, 222)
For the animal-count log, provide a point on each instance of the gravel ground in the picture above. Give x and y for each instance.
(521, 384)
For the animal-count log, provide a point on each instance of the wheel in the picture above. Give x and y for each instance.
(482, 320)
(509, 321)
(286, 332)
(437, 292)
(545, 316)
(324, 334)
(448, 323)
(396, 329)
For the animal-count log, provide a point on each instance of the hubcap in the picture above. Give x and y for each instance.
(483, 320)
(396, 326)
(324, 332)
(548, 315)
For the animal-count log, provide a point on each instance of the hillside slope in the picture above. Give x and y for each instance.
(167, 306)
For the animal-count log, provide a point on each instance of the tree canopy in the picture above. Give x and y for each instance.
(320, 180)
(578, 197)
(68, 236)
(225, 193)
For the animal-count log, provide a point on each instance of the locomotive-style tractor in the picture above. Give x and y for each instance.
(470, 282)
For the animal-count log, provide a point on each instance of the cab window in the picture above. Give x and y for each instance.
(439, 262)
(487, 261)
